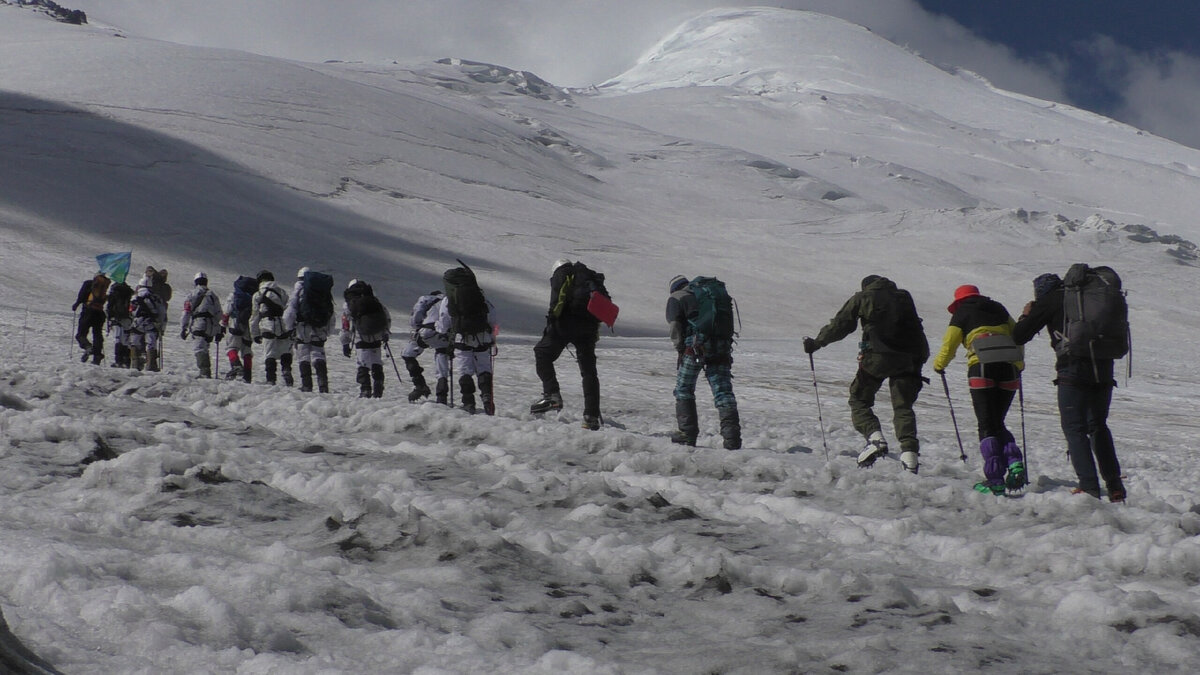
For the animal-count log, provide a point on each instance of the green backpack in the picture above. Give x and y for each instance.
(713, 322)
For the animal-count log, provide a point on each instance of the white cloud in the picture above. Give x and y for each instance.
(1160, 92)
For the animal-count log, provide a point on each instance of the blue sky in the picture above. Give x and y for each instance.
(1138, 62)
(1099, 45)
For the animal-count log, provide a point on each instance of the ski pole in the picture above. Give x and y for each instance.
(946, 385)
(820, 420)
(396, 368)
(1024, 443)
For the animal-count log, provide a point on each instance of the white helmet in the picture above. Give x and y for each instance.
(200, 276)
(559, 263)
(301, 272)
(351, 284)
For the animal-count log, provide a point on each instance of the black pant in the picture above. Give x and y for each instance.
(91, 319)
(583, 338)
(993, 387)
(1083, 410)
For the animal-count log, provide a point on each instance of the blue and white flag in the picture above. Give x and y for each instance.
(115, 266)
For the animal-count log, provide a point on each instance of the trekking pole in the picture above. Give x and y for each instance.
(450, 384)
(1024, 443)
(217, 361)
(946, 385)
(820, 420)
(396, 368)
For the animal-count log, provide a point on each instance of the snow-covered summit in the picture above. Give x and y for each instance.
(768, 51)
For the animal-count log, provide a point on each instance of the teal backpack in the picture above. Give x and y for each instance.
(713, 322)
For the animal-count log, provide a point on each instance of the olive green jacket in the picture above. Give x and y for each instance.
(893, 339)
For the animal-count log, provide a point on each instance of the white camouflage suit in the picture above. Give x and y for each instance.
(472, 357)
(425, 335)
(201, 321)
(309, 341)
(270, 328)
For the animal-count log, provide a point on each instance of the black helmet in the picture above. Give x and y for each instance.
(265, 275)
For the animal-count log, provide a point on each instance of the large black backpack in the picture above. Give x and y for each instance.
(713, 322)
(270, 303)
(370, 318)
(895, 324)
(244, 289)
(314, 306)
(119, 296)
(582, 282)
(1095, 314)
(468, 307)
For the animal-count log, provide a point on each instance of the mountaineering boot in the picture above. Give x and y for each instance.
(235, 371)
(989, 488)
(285, 365)
(731, 427)
(485, 393)
(377, 380)
(204, 364)
(247, 368)
(911, 461)
(419, 392)
(138, 357)
(1015, 478)
(322, 376)
(363, 378)
(305, 376)
(269, 365)
(548, 402)
(591, 422)
(466, 384)
(152, 358)
(688, 422)
(443, 389)
(1116, 490)
(876, 447)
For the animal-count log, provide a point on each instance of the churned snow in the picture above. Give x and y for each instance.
(155, 523)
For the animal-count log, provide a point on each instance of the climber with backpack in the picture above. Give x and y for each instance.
(92, 296)
(700, 313)
(201, 321)
(149, 313)
(425, 336)
(893, 348)
(311, 320)
(470, 321)
(573, 288)
(266, 327)
(239, 345)
(1088, 321)
(994, 364)
(366, 326)
(120, 321)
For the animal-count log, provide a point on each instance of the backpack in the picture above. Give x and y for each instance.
(370, 318)
(582, 282)
(712, 324)
(268, 307)
(159, 285)
(895, 325)
(244, 289)
(99, 291)
(1095, 314)
(314, 304)
(146, 307)
(468, 307)
(119, 295)
(420, 314)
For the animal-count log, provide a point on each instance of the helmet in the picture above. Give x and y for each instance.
(351, 284)
(265, 275)
(200, 278)
(301, 272)
(559, 263)
(677, 282)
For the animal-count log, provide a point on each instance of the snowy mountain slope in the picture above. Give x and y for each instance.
(153, 523)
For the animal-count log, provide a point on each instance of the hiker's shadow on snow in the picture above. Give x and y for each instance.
(796, 449)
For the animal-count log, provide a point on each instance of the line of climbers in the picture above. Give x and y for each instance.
(1085, 311)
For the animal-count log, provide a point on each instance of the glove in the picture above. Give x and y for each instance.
(221, 335)
(940, 371)
(74, 307)
(258, 339)
(810, 345)
(679, 361)
(183, 334)
(386, 336)
(346, 351)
